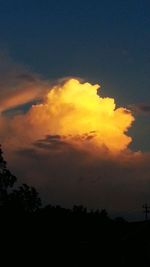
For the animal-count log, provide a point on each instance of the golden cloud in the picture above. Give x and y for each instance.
(77, 113)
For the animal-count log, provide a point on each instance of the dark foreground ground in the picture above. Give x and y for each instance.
(57, 237)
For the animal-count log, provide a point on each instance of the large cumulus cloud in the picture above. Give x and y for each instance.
(73, 152)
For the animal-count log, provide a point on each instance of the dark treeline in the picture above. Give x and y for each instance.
(54, 236)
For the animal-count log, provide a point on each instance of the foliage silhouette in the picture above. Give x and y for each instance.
(25, 199)
(22, 199)
(7, 179)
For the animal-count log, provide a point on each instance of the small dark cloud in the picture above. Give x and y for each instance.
(141, 108)
(54, 142)
(145, 108)
(28, 152)
(26, 77)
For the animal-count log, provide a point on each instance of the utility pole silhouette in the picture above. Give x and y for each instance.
(146, 211)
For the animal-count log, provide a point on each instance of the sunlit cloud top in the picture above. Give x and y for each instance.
(76, 112)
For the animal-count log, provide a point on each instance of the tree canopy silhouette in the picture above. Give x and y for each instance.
(7, 179)
(24, 198)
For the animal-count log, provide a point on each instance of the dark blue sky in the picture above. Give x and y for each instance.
(102, 41)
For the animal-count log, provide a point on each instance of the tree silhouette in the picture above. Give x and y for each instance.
(79, 209)
(25, 199)
(7, 179)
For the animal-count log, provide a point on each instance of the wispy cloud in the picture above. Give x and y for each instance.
(18, 85)
(141, 108)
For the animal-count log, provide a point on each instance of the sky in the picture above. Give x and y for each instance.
(99, 42)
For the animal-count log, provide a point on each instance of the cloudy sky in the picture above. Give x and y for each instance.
(74, 100)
